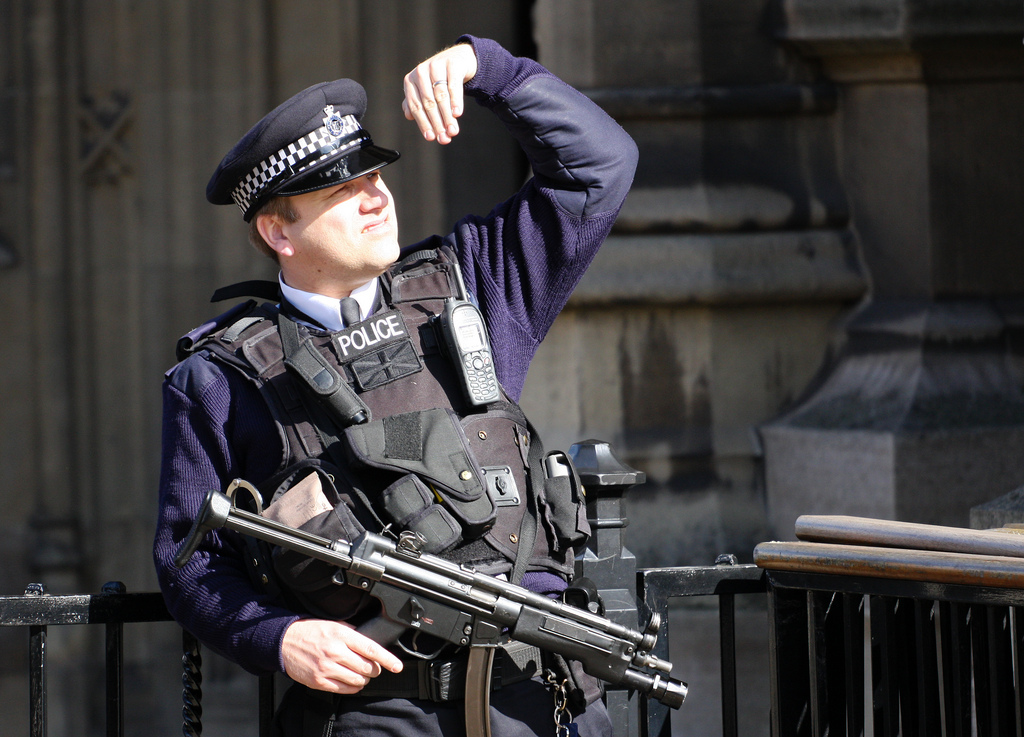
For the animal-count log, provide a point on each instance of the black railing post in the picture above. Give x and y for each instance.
(789, 662)
(37, 669)
(266, 704)
(956, 658)
(884, 666)
(1017, 629)
(818, 658)
(926, 667)
(853, 662)
(727, 653)
(606, 561)
(1000, 646)
(115, 667)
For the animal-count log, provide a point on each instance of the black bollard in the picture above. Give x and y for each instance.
(606, 561)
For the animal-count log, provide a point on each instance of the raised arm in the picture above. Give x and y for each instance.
(523, 259)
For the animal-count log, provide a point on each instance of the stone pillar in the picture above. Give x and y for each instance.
(710, 305)
(921, 416)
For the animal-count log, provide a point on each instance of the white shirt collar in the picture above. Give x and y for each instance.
(327, 310)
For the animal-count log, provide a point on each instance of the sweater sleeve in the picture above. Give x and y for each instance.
(212, 596)
(523, 260)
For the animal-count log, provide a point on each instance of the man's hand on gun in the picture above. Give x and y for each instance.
(332, 656)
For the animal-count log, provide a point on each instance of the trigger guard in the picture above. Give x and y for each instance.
(409, 649)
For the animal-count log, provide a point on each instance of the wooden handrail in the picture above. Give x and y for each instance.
(892, 563)
(1007, 541)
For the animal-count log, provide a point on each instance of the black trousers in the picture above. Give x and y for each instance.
(520, 710)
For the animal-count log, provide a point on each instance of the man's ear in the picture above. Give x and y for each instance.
(271, 229)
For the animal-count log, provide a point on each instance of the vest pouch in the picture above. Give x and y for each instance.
(412, 506)
(309, 500)
(563, 508)
(430, 444)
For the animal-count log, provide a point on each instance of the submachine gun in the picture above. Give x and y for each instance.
(425, 593)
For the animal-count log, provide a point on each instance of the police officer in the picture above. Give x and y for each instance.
(358, 398)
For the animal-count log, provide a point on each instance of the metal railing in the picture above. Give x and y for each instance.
(658, 586)
(113, 608)
(848, 654)
(908, 658)
(900, 629)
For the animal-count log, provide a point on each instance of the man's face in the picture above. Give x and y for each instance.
(345, 236)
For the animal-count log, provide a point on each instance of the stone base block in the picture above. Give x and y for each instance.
(1005, 510)
(929, 477)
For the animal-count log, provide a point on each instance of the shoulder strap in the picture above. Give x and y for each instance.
(192, 340)
(259, 288)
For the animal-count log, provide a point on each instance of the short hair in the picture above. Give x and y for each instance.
(276, 207)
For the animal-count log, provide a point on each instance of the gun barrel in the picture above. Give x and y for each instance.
(652, 662)
(669, 691)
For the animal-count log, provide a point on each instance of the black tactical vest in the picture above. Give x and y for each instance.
(472, 480)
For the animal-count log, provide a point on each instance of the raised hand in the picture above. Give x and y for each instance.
(433, 92)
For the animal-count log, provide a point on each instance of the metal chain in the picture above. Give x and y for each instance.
(561, 705)
(192, 680)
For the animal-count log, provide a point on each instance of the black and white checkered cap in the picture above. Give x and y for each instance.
(310, 141)
(295, 158)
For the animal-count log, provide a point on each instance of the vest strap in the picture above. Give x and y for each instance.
(531, 515)
(319, 376)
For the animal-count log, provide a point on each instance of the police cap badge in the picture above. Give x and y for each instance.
(311, 141)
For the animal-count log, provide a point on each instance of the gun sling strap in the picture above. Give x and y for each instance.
(444, 679)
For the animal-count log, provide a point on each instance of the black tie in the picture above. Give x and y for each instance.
(349, 311)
